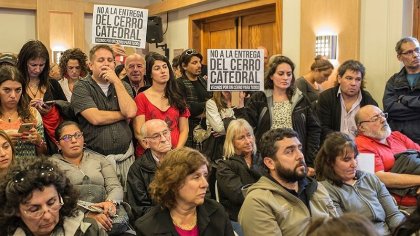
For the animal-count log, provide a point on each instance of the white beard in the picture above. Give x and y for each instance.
(379, 135)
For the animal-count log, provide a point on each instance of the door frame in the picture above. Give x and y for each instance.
(195, 26)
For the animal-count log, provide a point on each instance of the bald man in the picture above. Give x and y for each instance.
(156, 137)
(375, 136)
(135, 66)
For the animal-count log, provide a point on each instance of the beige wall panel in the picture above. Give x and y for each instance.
(61, 30)
(341, 17)
(20, 27)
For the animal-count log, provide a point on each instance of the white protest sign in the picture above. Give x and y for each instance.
(235, 70)
(123, 25)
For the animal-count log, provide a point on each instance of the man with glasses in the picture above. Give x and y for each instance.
(402, 91)
(156, 137)
(135, 66)
(375, 136)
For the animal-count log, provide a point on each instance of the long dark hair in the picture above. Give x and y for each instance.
(272, 67)
(11, 73)
(172, 92)
(31, 50)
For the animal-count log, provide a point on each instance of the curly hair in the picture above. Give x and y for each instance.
(24, 110)
(172, 91)
(172, 172)
(25, 177)
(186, 57)
(335, 144)
(272, 67)
(32, 50)
(73, 54)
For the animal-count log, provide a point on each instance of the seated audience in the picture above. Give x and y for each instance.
(162, 101)
(282, 105)
(157, 140)
(375, 136)
(284, 201)
(310, 83)
(20, 121)
(411, 226)
(38, 199)
(7, 154)
(135, 68)
(179, 188)
(219, 113)
(194, 89)
(73, 67)
(338, 105)
(353, 190)
(348, 224)
(241, 166)
(89, 172)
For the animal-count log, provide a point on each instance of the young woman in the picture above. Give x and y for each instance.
(282, 105)
(352, 190)
(16, 112)
(7, 154)
(162, 101)
(72, 67)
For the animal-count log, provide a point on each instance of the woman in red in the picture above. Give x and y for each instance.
(162, 101)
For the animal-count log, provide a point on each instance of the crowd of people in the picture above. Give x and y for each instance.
(89, 147)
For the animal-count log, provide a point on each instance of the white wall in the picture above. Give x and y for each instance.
(17, 27)
(291, 32)
(383, 23)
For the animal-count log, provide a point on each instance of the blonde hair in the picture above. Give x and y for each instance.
(235, 127)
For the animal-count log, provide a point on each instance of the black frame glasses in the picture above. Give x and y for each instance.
(68, 137)
(375, 118)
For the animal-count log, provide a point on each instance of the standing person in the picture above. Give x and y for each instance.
(241, 166)
(310, 83)
(135, 67)
(194, 88)
(38, 199)
(338, 105)
(163, 100)
(7, 154)
(352, 190)
(103, 105)
(282, 105)
(284, 201)
(15, 111)
(176, 67)
(402, 91)
(179, 189)
(8, 59)
(73, 67)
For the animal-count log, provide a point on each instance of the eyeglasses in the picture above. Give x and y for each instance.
(191, 52)
(158, 136)
(68, 137)
(411, 52)
(375, 118)
(20, 176)
(52, 207)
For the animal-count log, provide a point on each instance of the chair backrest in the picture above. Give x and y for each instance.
(366, 162)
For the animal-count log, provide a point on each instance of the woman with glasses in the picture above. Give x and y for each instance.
(353, 190)
(89, 172)
(20, 121)
(163, 101)
(282, 105)
(7, 154)
(241, 166)
(37, 199)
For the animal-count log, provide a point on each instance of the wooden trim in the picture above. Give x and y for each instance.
(19, 4)
(171, 5)
(416, 18)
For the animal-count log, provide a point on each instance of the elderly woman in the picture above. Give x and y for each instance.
(242, 166)
(352, 190)
(7, 154)
(37, 199)
(90, 172)
(179, 188)
(282, 105)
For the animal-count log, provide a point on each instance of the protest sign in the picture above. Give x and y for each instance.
(235, 70)
(123, 25)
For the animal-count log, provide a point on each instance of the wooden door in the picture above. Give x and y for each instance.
(259, 30)
(219, 34)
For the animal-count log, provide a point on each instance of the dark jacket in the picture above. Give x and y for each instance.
(258, 113)
(147, 85)
(401, 102)
(232, 174)
(329, 109)
(140, 175)
(212, 220)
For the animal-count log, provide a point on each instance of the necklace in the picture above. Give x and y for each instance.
(33, 94)
(185, 226)
(10, 117)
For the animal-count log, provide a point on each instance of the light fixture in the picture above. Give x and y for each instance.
(326, 45)
(57, 56)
